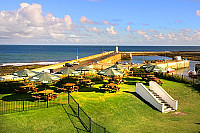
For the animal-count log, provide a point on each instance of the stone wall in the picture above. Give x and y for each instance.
(60, 65)
(126, 56)
(112, 59)
(174, 64)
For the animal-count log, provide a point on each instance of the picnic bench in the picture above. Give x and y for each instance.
(111, 87)
(70, 87)
(45, 95)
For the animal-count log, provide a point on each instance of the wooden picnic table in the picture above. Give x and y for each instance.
(28, 88)
(85, 81)
(71, 87)
(46, 94)
(110, 87)
(46, 91)
(69, 84)
(81, 78)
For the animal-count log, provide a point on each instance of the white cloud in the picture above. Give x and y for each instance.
(32, 13)
(85, 20)
(58, 36)
(140, 32)
(28, 22)
(159, 36)
(93, 29)
(108, 23)
(111, 30)
(147, 37)
(68, 21)
(186, 30)
(198, 12)
(128, 28)
(172, 36)
(152, 30)
(29, 25)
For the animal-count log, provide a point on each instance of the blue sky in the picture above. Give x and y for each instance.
(125, 22)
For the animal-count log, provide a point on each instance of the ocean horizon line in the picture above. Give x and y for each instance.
(131, 45)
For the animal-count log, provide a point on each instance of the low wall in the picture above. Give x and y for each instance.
(162, 93)
(148, 96)
(126, 56)
(59, 65)
(112, 59)
(174, 64)
(147, 53)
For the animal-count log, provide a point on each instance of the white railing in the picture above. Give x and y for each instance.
(149, 97)
(162, 93)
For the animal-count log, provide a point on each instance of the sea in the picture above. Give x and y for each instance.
(61, 53)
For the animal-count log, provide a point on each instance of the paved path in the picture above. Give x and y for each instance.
(85, 63)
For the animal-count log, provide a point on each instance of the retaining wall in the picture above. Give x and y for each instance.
(174, 64)
(112, 59)
(59, 65)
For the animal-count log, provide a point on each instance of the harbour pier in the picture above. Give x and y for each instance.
(112, 57)
(106, 59)
(82, 61)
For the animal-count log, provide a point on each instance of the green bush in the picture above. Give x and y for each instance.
(137, 69)
(172, 77)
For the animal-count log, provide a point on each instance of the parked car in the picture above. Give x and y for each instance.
(75, 63)
(68, 65)
(125, 63)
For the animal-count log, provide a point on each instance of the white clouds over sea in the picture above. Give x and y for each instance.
(30, 25)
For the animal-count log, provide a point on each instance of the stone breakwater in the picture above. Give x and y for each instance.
(190, 55)
(60, 65)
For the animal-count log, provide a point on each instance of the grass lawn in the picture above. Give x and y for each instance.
(121, 112)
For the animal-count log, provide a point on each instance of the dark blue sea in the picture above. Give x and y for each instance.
(61, 53)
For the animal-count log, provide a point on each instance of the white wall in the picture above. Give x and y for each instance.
(162, 93)
(149, 97)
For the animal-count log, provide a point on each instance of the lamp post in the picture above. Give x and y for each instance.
(77, 55)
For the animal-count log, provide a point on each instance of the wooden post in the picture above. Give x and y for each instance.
(182, 78)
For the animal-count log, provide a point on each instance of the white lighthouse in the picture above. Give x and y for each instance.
(116, 49)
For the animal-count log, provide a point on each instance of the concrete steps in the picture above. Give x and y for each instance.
(167, 107)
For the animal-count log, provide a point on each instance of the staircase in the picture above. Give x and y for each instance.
(167, 107)
(157, 97)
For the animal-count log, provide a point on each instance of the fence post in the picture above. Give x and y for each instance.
(104, 130)
(47, 101)
(78, 110)
(193, 81)
(68, 97)
(90, 124)
(182, 78)
(23, 104)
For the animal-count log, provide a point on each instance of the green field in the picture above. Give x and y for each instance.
(121, 112)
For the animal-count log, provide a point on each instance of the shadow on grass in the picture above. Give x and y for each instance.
(133, 81)
(143, 100)
(196, 88)
(88, 89)
(74, 119)
(14, 96)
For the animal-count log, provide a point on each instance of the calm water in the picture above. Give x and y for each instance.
(33, 53)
